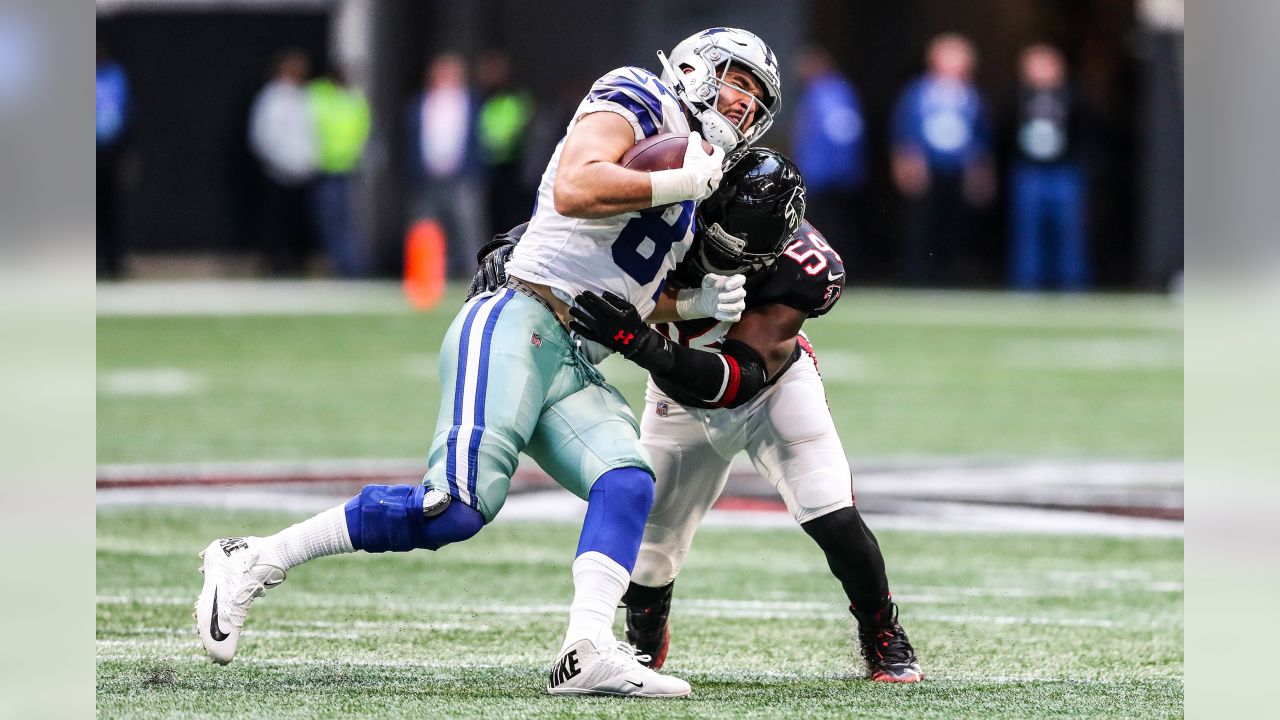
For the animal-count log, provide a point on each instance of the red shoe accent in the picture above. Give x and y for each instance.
(885, 677)
(662, 654)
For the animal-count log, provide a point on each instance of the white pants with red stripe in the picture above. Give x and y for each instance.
(787, 432)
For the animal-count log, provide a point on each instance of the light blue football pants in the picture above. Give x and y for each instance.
(512, 381)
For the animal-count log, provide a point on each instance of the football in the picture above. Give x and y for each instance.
(664, 151)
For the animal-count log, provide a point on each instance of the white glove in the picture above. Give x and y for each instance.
(698, 178)
(721, 297)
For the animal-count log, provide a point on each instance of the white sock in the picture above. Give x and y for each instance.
(318, 536)
(598, 586)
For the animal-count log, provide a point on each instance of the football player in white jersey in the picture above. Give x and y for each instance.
(514, 379)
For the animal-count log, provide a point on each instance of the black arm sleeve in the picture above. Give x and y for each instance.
(725, 379)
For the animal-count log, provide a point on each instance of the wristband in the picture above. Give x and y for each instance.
(670, 186)
(687, 304)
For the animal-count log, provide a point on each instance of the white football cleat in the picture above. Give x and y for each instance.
(583, 669)
(232, 579)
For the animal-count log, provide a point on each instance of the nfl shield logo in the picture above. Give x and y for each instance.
(663, 408)
(535, 340)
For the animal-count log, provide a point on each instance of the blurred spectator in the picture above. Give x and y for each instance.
(444, 166)
(504, 120)
(547, 129)
(941, 162)
(111, 120)
(1047, 242)
(282, 137)
(341, 116)
(829, 147)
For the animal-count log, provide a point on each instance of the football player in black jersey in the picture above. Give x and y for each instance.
(717, 388)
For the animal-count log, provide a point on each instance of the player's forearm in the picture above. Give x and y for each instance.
(725, 379)
(601, 189)
(665, 309)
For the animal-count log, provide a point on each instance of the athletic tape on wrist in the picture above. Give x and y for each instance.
(686, 304)
(670, 186)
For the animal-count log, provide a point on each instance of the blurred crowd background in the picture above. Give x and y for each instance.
(1029, 144)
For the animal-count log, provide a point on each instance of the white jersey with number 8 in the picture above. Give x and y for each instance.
(628, 254)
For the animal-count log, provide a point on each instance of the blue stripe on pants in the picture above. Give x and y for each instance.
(482, 386)
(451, 465)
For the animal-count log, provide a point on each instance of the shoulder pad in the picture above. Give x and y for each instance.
(635, 90)
(809, 275)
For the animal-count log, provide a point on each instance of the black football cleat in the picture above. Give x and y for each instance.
(885, 647)
(647, 629)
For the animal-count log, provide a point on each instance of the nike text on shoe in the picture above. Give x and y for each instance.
(616, 669)
(885, 647)
(232, 580)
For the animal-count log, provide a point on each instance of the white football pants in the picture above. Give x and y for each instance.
(787, 432)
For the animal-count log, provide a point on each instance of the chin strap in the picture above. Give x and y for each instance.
(719, 132)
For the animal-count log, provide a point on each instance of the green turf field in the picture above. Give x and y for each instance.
(1006, 626)
(907, 374)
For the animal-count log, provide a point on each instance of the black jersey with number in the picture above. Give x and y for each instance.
(808, 276)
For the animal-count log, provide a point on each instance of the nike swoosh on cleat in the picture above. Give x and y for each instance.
(633, 682)
(214, 631)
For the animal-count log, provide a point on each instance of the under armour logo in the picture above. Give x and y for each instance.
(624, 337)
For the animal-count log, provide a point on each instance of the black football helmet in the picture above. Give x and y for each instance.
(743, 226)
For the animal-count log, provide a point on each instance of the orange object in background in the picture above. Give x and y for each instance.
(424, 264)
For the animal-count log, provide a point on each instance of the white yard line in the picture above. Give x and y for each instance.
(249, 297)
(699, 608)
(877, 307)
(197, 656)
(452, 669)
(327, 631)
(150, 382)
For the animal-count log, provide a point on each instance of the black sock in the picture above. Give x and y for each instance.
(643, 596)
(854, 557)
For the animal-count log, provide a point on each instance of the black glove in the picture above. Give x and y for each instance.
(492, 273)
(614, 323)
(492, 258)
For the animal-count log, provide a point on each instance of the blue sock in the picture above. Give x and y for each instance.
(617, 507)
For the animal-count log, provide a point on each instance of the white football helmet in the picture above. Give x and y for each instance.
(696, 71)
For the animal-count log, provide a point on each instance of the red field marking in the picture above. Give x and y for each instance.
(751, 504)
